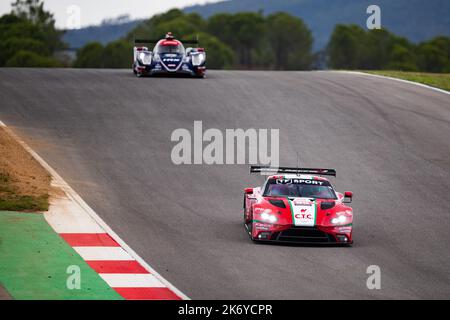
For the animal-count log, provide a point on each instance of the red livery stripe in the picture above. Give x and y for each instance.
(89, 240)
(147, 294)
(117, 266)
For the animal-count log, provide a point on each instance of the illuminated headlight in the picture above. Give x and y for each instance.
(146, 58)
(269, 217)
(339, 220)
(198, 59)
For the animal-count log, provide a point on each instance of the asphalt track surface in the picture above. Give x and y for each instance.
(108, 134)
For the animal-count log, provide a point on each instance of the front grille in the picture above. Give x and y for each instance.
(304, 235)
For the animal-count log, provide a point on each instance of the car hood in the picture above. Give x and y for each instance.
(301, 212)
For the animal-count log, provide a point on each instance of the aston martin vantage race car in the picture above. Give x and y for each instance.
(298, 205)
(169, 57)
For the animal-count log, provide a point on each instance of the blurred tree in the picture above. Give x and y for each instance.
(29, 29)
(33, 11)
(180, 27)
(10, 46)
(244, 32)
(290, 41)
(219, 55)
(346, 48)
(377, 52)
(117, 54)
(90, 56)
(384, 50)
(401, 58)
(351, 47)
(30, 59)
(219, 26)
(434, 55)
(151, 27)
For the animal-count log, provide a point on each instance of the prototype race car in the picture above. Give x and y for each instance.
(169, 57)
(298, 205)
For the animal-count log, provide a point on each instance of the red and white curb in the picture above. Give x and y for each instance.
(102, 249)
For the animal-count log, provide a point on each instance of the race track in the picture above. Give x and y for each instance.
(108, 134)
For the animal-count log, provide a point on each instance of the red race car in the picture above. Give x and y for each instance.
(298, 205)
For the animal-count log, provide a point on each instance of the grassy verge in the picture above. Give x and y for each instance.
(438, 80)
(24, 184)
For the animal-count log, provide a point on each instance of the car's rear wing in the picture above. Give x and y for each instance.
(145, 41)
(152, 41)
(274, 170)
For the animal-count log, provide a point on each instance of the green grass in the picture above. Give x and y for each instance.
(437, 80)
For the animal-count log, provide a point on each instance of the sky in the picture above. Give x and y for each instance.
(92, 12)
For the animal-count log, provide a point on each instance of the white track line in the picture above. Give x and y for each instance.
(395, 79)
(103, 253)
(60, 182)
(127, 280)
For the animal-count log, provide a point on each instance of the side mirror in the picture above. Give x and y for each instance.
(248, 190)
(348, 197)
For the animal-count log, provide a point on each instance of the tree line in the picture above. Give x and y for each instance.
(351, 47)
(29, 37)
(245, 40)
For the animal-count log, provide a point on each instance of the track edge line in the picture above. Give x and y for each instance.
(391, 78)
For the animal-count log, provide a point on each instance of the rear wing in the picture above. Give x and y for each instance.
(153, 41)
(274, 170)
(145, 41)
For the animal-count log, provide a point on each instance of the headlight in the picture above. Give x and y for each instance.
(198, 59)
(339, 220)
(146, 58)
(269, 217)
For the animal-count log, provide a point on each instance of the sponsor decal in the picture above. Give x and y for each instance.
(171, 60)
(303, 212)
(302, 202)
(261, 227)
(299, 181)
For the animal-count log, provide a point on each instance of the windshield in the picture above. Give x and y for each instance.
(160, 49)
(299, 188)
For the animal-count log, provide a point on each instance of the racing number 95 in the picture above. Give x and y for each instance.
(242, 309)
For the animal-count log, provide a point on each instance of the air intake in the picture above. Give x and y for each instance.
(327, 205)
(277, 203)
